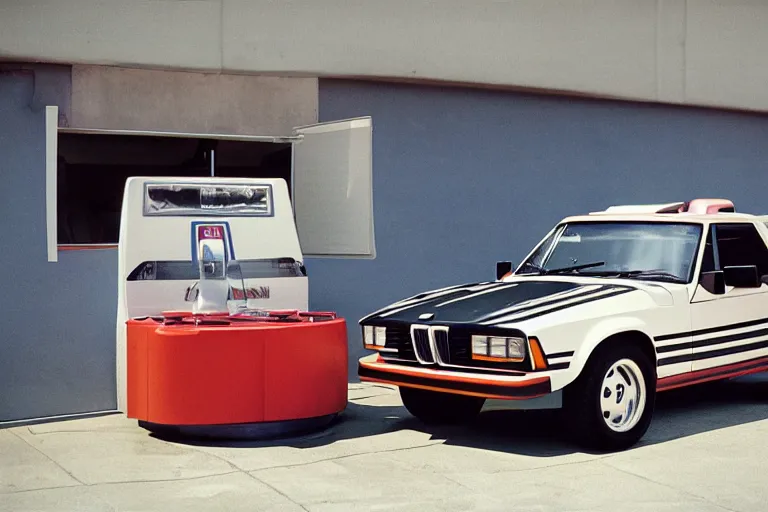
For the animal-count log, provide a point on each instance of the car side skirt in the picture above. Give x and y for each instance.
(739, 369)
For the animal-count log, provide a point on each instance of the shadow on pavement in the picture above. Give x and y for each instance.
(679, 413)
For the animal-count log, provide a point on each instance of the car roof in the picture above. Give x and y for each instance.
(699, 211)
(666, 217)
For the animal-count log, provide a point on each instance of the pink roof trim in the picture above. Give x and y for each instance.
(703, 206)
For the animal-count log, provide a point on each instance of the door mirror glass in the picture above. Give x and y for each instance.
(503, 268)
(713, 282)
(742, 276)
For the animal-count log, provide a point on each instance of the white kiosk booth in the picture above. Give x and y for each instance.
(202, 348)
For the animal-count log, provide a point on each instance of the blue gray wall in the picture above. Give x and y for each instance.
(57, 349)
(463, 178)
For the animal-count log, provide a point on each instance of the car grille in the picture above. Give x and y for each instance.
(399, 338)
(454, 347)
(461, 349)
(442, 346)
(421, 343)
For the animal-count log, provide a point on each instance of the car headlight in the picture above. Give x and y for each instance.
(374, 337)
(498, 348)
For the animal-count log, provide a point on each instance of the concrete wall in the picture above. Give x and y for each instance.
(706, 52)
(465, 178)
(57, 352)
(114, 98)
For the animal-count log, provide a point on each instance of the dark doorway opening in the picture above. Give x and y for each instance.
(93, 168)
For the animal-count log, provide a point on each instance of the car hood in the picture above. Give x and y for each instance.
(514, 300)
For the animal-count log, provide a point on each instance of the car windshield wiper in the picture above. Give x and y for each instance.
(573, 268)
(658, 274)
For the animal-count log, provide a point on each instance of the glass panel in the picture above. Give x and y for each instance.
(199, 199)
(741, 244)
(333, 193)
(623, 247)
(186, 270)
(213, 287)
(238, 299)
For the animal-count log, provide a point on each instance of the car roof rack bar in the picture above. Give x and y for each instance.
(696, 207)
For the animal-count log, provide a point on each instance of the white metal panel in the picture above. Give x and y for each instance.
(51, 171)
(713, 312)
(333, 189)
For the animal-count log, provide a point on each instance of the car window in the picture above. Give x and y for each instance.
(708, 258)
(630, 246)
(739, 244)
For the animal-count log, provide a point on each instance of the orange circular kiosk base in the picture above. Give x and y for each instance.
(236, 376)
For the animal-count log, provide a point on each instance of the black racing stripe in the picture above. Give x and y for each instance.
(719, 340)
(712, 330)
(465, 306)
(560, 354)
(531, 390)
(440, 292)
(558, 366)
(730, 337)
(452, 292)
(713, 353)
(571, 305)
(550, 302)
(672, 348)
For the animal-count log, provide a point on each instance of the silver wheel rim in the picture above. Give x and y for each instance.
(622, 395)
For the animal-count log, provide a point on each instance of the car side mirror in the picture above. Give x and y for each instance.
(742, 276)
(503, 268)
(713, 282)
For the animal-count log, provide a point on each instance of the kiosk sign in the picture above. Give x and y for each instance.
(210, 232)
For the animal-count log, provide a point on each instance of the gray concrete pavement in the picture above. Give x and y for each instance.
(707, 450)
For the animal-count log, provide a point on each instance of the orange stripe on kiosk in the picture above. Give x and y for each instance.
(213, 334)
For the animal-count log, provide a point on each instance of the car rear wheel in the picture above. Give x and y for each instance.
(433, 407)
(610, 406)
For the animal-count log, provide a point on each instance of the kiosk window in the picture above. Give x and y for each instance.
(93, 168)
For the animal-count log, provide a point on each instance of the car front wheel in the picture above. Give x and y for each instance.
(610, 406)
(433, 407)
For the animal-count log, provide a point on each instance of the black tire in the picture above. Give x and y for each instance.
(434, 408)
(582, 399)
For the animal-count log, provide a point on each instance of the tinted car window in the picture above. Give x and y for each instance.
(740, 244)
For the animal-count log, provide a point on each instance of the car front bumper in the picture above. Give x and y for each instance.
(518, 387)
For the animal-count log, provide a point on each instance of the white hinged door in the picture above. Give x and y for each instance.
(333, 189)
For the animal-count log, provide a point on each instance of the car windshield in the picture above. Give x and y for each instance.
(642, 250)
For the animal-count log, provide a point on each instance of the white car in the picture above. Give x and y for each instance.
(607, 309)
